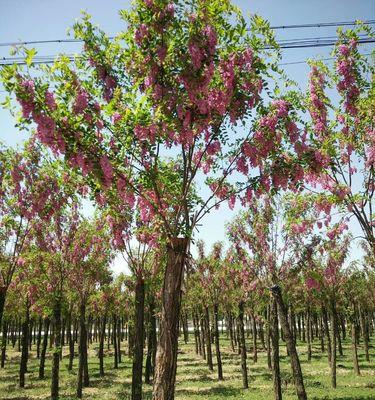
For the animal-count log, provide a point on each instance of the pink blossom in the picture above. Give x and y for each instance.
(116, 117)
(50, 100)
(107, 170)
(81, 102)
(140, 34)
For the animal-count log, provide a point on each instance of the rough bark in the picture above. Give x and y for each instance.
(166, 358)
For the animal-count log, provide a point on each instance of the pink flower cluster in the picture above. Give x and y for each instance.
(346, 69)
(81, 102)
(26, 97)
(317, 108)
(107, 170)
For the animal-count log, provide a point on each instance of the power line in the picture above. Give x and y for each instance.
(278, 27)
(324, 24)
(290, 45)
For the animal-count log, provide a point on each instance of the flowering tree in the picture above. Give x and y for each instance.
(340, 139)
(260, 232)
(32, 189)
(189, 73)
(88, 259)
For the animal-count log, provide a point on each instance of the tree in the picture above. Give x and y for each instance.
(189, 73)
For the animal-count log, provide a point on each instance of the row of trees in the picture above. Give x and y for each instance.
(138, 123)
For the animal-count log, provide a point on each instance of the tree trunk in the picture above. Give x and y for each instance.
(4, 343)
(365, 334)
(25, 345)
(82, 350)
(242, 344)
(166, 358)
(255, 348)
(354, 348)
(139, 340)
(151, 344)
(217, 343)
(308, 335)
(208, 340)
(326, 333)
(334, 337)
(44, 349)
(196, 334)
(274, 322)
(39, 338)
(268, 337)
(290, 343)
(56, 350)
(3, 291)
(70, 340)
(114, 333)
(101, 345)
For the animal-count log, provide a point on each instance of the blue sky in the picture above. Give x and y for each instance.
(45, 19)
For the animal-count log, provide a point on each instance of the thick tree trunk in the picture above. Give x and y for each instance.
(25, 345)
(56, 351)
(139, 340)
(217, 343)
(44, 349)
(290, 343)
(242, 344)
(274, 322)
(166, 358)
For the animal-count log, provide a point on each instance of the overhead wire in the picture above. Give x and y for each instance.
(277, 27)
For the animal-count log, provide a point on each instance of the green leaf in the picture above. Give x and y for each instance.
(30, 53)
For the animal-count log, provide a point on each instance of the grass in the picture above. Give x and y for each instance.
(195, 381)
